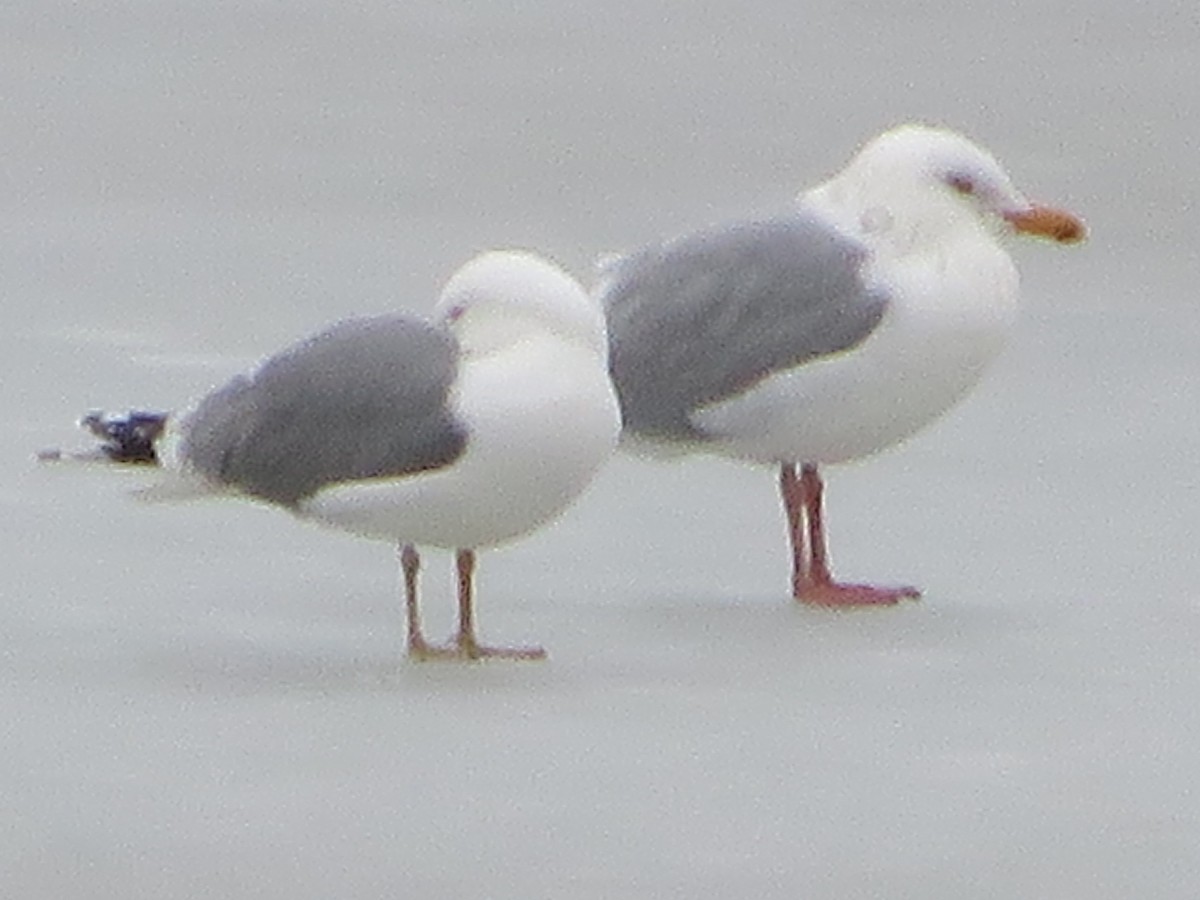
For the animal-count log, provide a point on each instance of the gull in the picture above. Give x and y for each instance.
(462, 432)
(829, 332)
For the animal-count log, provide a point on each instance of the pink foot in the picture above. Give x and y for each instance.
(834, 594)
(478, 651)
(466, 651)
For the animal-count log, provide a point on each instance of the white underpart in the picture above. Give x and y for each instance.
(953, 293)
(950, 316)
(534, 394)
(542, 418)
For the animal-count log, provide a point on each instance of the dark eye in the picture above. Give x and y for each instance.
(961, 183)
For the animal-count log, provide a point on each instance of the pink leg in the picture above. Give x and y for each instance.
(793, 505)
(465, 646)
(813, 490)
(468, 646)
(410, 563)
(816, 584)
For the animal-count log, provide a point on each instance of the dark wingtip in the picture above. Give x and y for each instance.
(128, 438)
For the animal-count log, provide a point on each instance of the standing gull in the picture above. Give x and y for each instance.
(461, 433)
(830, 332)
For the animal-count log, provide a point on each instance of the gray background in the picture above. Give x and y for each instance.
(211, 699)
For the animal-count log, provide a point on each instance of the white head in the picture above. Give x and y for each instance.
(501, 297)
(924, 182)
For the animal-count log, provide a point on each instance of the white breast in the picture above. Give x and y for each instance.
(542, 418)
(951, 313)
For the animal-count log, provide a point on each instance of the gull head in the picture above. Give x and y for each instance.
(502, 297)
(925, 183)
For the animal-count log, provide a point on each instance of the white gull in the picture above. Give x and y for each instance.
(830, 332)
(463, 432)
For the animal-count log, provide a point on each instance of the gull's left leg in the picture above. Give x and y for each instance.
(468, 646)
(792, 491)
(820, 588)
(418, 647)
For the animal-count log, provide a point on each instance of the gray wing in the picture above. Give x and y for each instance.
(366, 398)
(702, 318)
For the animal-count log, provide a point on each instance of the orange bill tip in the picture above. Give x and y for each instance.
(1048, 222)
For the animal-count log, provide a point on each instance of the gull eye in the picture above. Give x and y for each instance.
(961, 183)
(454, 313)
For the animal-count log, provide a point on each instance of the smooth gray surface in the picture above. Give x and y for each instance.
(209, 699)
(704, 317)
(365, 398)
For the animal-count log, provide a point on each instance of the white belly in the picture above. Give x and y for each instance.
(542, 417)
(933, 345)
